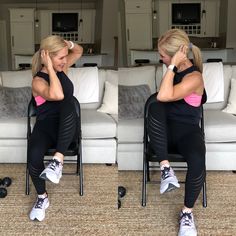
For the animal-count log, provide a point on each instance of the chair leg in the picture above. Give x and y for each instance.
(144, 184)
(78, 163)
(81, 171)
(204, 201)
(148, 171)
(27, 189)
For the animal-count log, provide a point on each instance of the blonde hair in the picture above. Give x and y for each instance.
(52, 44)
(171, 41)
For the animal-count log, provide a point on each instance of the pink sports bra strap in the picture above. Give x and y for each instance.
(39, 100)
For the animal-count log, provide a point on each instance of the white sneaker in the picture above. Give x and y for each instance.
(187, 226)
(38, 210)
(52, 172)
(168, 180)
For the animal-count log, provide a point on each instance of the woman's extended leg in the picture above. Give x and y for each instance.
(38, 144)
(192, 147)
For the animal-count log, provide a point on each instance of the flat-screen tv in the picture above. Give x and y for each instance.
(186, 13)
(64, 22)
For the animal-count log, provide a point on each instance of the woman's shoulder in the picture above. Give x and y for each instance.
(41, 74)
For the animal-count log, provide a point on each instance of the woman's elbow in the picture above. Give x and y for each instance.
(160, 97)
(60, 97)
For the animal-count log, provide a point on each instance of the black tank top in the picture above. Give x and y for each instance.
(181, 110)
(51, 108)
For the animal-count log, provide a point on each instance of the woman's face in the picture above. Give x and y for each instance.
(60, 59)
(164, 57)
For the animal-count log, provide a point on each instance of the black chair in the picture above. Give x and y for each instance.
(149, 156)
(75, 148)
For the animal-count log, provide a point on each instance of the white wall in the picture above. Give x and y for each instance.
(3, 46)
(109, 30)
(231, 32)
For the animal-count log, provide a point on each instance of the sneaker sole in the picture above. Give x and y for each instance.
(45, 177)
(170, 187)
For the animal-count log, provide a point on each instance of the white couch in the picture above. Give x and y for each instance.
(220, 127)
(99, 130)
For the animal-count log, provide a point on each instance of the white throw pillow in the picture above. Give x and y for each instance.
(231, 106)
(110, 99)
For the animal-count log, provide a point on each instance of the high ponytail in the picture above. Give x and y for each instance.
(197, 57)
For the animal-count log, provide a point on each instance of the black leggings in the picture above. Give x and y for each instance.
(51, 132)
(186, 139)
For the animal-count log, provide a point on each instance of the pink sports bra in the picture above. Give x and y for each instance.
(39, 100)
(193, 99)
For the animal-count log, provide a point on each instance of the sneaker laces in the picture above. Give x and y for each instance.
(165, 173)
(39, 203)
(53, 164)
(186, 219)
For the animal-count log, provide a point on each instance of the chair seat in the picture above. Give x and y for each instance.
(173, 156)
(72, 150)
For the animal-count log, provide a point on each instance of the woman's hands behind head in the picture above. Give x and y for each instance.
(180, 56)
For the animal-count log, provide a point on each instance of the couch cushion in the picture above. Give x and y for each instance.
(219, 126)
(97, 125)
(130, 131)
(16, 78)
(13, 128)
(234, 71)
(103, 75)
(138, 75)
(86, 85)
(94, 125)
(159, 75)
(227, 70)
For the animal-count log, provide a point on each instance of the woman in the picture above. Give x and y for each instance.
(174, 120)
(56, 116)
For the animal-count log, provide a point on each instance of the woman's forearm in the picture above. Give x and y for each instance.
(55, 90)
(166, 90)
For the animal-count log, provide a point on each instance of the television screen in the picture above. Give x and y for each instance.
(64, 22)
(186, 13)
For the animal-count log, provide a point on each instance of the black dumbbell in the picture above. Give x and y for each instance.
(121, 191)
(5, 182)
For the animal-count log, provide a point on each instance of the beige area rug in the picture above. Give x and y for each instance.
(96, 212)
(160, 216)
(68, 213)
